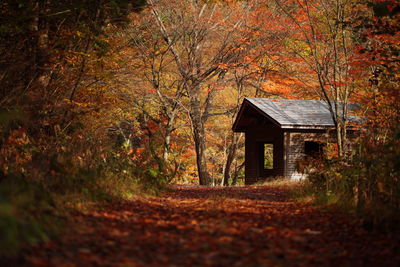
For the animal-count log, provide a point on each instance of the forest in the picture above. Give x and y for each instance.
(108, 105)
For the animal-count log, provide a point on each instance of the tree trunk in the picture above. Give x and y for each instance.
(339, 138)
(167, 137)
(341, 135)
(236, 174)
(229, 160)
(200, 147)
(167, 142)
(40, 28)
(199, 139)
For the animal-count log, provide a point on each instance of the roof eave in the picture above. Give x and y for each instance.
(307, 127)
(262, 113)
(234, 126)
(315, 127)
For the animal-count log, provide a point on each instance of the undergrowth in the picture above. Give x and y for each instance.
(32, 212)
(28, 215)
(297, 189)
(331, 189)
(366, 183)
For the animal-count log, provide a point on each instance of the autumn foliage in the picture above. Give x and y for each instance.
(105, 100)
(214, 226)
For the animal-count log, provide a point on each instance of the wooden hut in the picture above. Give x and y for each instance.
(280, 134)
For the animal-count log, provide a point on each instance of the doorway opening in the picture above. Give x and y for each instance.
(268, 156)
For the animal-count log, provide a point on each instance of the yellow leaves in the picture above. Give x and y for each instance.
(302, 48)
(76, 103)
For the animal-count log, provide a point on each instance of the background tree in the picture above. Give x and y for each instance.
(322, 39)
(376, 163)
(148, 83)
(206, 42)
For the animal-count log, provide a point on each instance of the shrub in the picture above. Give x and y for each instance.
(368, 183)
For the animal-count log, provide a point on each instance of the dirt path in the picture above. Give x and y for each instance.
(193, 226)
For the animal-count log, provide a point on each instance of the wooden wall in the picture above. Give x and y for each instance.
(294, 149)
(288, 151)
(255, 137)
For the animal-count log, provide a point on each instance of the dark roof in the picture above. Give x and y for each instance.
(288, 113)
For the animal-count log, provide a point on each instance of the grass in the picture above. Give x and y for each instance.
(302, 191)
(28, 215)
(281, 182)
(34, 212)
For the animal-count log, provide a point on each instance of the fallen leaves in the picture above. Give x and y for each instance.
(206, 226)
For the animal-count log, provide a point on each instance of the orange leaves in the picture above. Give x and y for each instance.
(16, 151)
(225, 239)
(152, 126)
(223, 66)
(251, 226)
(283, 89)
(136, 154)
(17, 137)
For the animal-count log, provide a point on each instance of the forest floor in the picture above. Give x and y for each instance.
(208, 226)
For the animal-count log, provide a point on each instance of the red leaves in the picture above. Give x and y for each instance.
(195, 225)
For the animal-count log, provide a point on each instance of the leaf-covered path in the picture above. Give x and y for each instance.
(204, 226)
